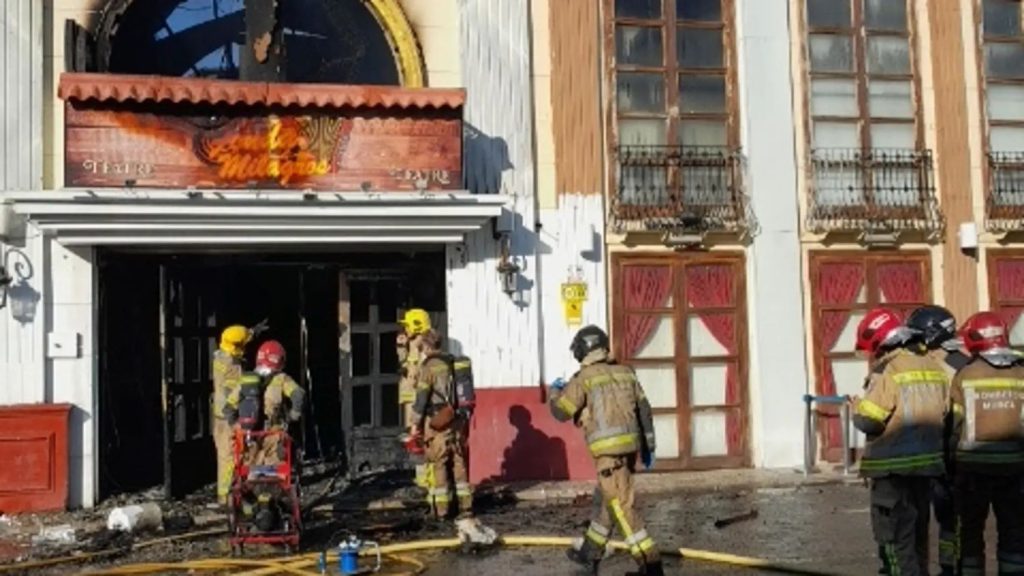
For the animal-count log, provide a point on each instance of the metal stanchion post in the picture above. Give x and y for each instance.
(844, 410)
(808, 435)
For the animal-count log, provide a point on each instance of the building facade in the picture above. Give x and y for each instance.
(726, 184)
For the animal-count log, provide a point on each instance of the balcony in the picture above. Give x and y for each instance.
(1004, 204)
(689, 189)
(873, 191)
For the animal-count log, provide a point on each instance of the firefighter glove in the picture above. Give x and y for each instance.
(558, 384)
(648, 458)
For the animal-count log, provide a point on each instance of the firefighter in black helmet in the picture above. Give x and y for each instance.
(936, 327)
(605, 400)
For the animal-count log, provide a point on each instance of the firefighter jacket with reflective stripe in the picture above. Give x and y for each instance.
(276, 389)
(410, 359)
(992, 429)
(281, 387)
(903, 415)
(226, 373)
(432, 388)
(608, 403)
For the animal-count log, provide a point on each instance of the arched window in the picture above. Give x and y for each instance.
(324, 41)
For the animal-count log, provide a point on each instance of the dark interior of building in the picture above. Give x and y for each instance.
(160, 317)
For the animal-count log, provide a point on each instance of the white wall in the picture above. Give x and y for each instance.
(778, 375)
(499, 332)
(572, 242)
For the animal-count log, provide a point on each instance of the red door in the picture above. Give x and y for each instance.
(1006, 291)
(680, 321)
(844, 285)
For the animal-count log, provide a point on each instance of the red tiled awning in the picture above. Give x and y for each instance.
(121, 88)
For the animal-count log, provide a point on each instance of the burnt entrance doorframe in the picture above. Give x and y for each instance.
(374, 437)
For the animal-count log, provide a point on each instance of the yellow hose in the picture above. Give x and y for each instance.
(563, 542)
(296, 564)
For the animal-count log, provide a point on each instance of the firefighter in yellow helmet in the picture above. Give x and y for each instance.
(227, 370)
(436, 414)
(415, 325)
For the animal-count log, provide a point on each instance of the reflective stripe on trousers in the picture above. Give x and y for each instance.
(598, 534)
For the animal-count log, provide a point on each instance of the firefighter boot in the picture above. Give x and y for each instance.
(473, 532)
(586, 553)
(649, 569)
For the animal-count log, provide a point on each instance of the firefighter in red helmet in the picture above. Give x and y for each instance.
(283, 399)
(902, 414)
(990, 449)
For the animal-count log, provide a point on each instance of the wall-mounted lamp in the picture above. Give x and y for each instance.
(18, 294)
(23, 300)
(508, 271)
(5, 281)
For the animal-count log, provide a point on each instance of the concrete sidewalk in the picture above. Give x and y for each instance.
(676, 482)
(651, 483)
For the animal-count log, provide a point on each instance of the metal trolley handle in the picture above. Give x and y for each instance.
(376, 548)
(810, 430)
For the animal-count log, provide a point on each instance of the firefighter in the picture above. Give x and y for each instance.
(283, 399)
(902, 414)
(606, 400)
(436, 417)
(990, 453)
(415, 324)
(936, 329)
(227, 370)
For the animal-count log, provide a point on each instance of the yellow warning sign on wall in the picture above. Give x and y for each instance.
(574, 294)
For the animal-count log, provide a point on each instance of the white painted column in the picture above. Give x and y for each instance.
(72, 376)
(498, 331)
(778, 375)
(21, 95)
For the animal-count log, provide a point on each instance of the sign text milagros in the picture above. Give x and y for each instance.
(281, 153)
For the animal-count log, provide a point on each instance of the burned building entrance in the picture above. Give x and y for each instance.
(160, 317)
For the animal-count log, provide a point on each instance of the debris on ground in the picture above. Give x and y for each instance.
(62, 535)
(724, 522)
(135, 518)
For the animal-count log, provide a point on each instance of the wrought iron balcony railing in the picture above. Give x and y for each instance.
(691, 188)
(1004, 203)
(875, 190)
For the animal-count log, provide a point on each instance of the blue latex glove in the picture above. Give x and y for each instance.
(558, 384)
(648, 459)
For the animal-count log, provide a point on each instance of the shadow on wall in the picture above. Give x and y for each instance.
(77, 425)
(532, 455)
(486, 158)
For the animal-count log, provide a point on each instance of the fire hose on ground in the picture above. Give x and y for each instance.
(398, 552)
